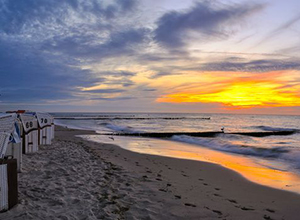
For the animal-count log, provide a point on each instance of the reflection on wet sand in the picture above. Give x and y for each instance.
(248, 167)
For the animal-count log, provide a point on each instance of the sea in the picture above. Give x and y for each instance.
(263, 148)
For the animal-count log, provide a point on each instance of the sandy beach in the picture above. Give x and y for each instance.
(78, 179)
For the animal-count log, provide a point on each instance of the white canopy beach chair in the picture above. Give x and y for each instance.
(46, 131)
(4, 139)
(29, 133)
(11, 126)
(8, 176)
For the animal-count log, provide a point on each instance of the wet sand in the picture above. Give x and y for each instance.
(78, 179)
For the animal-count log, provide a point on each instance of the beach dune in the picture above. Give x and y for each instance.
(77, 179)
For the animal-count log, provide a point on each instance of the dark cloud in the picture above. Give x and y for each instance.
(149, 90)
(120, 78)
(17, 15)
(28, 76)
(127, 5)
(80, 29)
(160, 74)
(105, 91)
(231, 64)
(43, 44)
(173, 71)
(204, 17)
(117, 44)
(176, 56)
(252, 66)
(122, 82)
(120, 73)
(114, 99)
(35, 95)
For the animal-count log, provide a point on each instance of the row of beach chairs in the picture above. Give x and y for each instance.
(21, 132)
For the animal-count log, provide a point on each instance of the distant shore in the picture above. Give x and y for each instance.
(77, 179)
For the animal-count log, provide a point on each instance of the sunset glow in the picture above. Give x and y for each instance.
(243, 93)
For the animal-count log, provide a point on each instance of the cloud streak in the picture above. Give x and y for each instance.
(204, 18)
(263, 65)
(279, 30)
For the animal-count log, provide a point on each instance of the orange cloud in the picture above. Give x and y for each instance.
(268, 90)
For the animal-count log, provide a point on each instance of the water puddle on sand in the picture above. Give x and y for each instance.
(259, 171)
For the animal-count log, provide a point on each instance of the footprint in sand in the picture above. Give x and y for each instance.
(267, 217)
(163, 190)
(217, 211)
(232, 201)
(190, 204)
(246, 208)
(217, 195)
(270, 210)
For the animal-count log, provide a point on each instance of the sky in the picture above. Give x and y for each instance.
(229, 56)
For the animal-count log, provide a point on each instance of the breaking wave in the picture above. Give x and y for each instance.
(131, 118)
(269, 128)
(232, 148)
(120, 128)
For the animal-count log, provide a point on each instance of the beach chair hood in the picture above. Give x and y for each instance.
(44, 119)
(9, 125)
(4, 139)
(29, 122)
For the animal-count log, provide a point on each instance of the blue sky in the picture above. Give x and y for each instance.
(128, 55)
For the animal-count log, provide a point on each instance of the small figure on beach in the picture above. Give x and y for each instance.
(222, 129)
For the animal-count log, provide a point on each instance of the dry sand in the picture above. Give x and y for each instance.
(77, 179)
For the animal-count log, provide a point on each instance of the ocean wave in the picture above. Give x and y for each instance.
(269, 128)
(293, 159)
(204, 134)
(232, 148)
(121, 128)
(130, 118)
(76, 127)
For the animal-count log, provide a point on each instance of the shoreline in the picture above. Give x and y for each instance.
(247, 167)
(75, 178)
